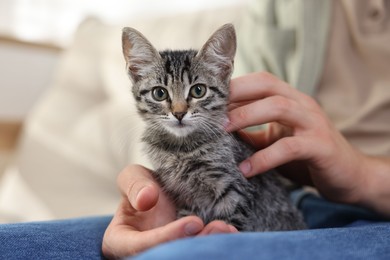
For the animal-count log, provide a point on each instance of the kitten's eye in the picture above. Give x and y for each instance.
(159, 93)
(198, 91)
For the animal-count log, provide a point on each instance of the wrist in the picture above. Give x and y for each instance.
(375, 192)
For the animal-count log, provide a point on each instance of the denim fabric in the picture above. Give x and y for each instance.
(320, 213)
(82, 238)
(62, 239)
(363, 236)
(368, 241)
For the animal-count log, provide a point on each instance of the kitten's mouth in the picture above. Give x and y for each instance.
(179, 129)
(180, 124)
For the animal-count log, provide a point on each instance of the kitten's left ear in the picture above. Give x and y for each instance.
(218, 52)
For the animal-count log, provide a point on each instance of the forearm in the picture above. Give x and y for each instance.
(377, 193)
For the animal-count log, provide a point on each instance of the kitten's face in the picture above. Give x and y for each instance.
(181, 91)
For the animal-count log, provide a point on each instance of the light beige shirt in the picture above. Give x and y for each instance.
(355, 86)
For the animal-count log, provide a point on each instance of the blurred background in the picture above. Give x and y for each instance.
(60, 66)
(33, 33)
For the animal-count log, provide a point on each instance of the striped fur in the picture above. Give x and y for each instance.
(195, 159)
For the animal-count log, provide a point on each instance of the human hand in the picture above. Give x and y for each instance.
(146, 217)
(299, 131)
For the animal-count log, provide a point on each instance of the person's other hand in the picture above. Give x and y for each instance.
(300, 138)
(146, 217)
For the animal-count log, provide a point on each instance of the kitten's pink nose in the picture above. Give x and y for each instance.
(179, 115)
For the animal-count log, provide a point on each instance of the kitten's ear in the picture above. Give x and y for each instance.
(219, 50)
(139, 54)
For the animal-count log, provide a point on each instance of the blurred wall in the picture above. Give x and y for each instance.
(25, 69)
(32, 34)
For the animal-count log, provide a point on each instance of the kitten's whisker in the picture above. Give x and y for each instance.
(210, 128)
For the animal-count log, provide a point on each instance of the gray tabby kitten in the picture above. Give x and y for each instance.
(183, 97)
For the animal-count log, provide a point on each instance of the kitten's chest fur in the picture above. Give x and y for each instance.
(204, 180)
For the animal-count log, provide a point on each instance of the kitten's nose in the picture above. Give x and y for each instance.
(179, 115)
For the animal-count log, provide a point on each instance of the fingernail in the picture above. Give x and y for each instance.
(233, 229)
(223, 229)
(140, 191)
(217, 231)
(144, 190)
(192, 228)
(245, 167)
(141, 199)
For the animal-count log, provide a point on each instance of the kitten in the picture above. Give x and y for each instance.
(183, 98)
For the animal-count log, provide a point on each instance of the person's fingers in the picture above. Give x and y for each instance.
(233, 229)
(257, 139)
(218, 227)
(232, 106)
(265, 136)
(282, 151)
(122, 240)
(270, 109)
(259, 85)
(136, 183)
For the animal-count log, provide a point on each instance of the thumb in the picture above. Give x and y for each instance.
(137, 184)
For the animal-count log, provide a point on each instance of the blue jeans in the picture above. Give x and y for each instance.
(62, 239)
(338, 231)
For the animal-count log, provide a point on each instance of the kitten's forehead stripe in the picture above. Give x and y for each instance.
(168, 68)
(166, 80)
(186, 69)
(187, 72)
(187, 62)
(177, 64)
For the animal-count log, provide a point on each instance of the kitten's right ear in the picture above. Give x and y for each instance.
(139, 54)
(218, 52)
